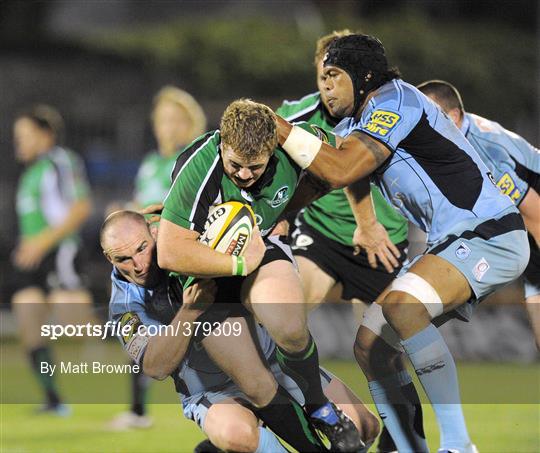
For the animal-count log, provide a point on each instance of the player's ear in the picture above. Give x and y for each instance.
(153, 228)
(109, 259)
(455, 115)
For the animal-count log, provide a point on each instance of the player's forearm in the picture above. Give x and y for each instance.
(179, 251)
(165, 352)
(359, 197)
(339, 167)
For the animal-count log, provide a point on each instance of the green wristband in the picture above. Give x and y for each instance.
(241, 266)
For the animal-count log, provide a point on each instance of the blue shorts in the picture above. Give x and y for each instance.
(196, 406)
(491, 256)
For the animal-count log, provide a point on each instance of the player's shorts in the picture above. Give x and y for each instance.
(196, 406)
(491, 256)
(531, 276)
(58, 270)
(359, 279)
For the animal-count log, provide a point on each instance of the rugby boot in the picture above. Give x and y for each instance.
(337, 427)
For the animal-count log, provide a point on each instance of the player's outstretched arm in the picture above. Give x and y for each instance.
(531, 213)
(357, 156)
(165, 352)
(369, 234)
(178, 250)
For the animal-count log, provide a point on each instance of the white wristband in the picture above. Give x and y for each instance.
(302, 146)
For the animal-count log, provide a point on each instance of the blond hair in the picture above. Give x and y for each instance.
(324, 42)
(249, 128)
(185, 101)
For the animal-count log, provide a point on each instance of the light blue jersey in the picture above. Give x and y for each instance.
(514, 163)
(133, 305)
(434, 176)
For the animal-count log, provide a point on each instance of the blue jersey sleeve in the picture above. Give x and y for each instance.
(391, 115)
(130, 319)
(514, 163)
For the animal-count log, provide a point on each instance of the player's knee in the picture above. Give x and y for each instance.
(30, 295)
(238, 436)
(293, 335)
(399, 309)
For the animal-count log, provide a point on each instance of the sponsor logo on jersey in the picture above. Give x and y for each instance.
(319, 132)
(480, 269)
(280, 197)
(258, 219)
(382, 122)
(508, 187)
(463, 251)
(302, 242)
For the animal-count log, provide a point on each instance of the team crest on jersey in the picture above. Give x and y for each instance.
(480, 269)
(382, 122)
(507, 186)
(129, 324)
(463, 252)
(281, 196)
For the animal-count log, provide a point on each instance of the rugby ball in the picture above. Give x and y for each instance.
(228, 228)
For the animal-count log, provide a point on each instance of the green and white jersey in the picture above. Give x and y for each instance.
(331, 215)
(153, 179)
(200, 182)
(48, 188)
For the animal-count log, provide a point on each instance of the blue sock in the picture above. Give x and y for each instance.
(436, 370)
(398, 412)
(269, 442)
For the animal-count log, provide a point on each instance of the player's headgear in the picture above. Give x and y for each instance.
(364, 60)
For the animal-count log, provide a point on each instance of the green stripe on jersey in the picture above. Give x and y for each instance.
(47, 188)
(331, 215)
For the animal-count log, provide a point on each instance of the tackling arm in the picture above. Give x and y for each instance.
(356, 157)
(178, 250)
(165, 352)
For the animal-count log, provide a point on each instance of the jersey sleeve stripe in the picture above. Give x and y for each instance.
(196, 203)
(187, 161)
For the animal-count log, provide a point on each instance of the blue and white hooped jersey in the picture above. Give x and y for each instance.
(514, 162)
(434, 176)
(130, 306)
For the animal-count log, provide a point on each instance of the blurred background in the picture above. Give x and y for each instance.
(101, 62)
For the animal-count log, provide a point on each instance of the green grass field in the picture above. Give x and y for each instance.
(509, 425)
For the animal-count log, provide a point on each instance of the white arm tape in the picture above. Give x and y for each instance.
(420, 289)
(302, 146)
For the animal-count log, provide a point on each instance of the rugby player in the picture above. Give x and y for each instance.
(477, 241)
(327, 233)
(143, 294)
(515, 165)
(53, 203)
(240, 162)
(177, 119)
